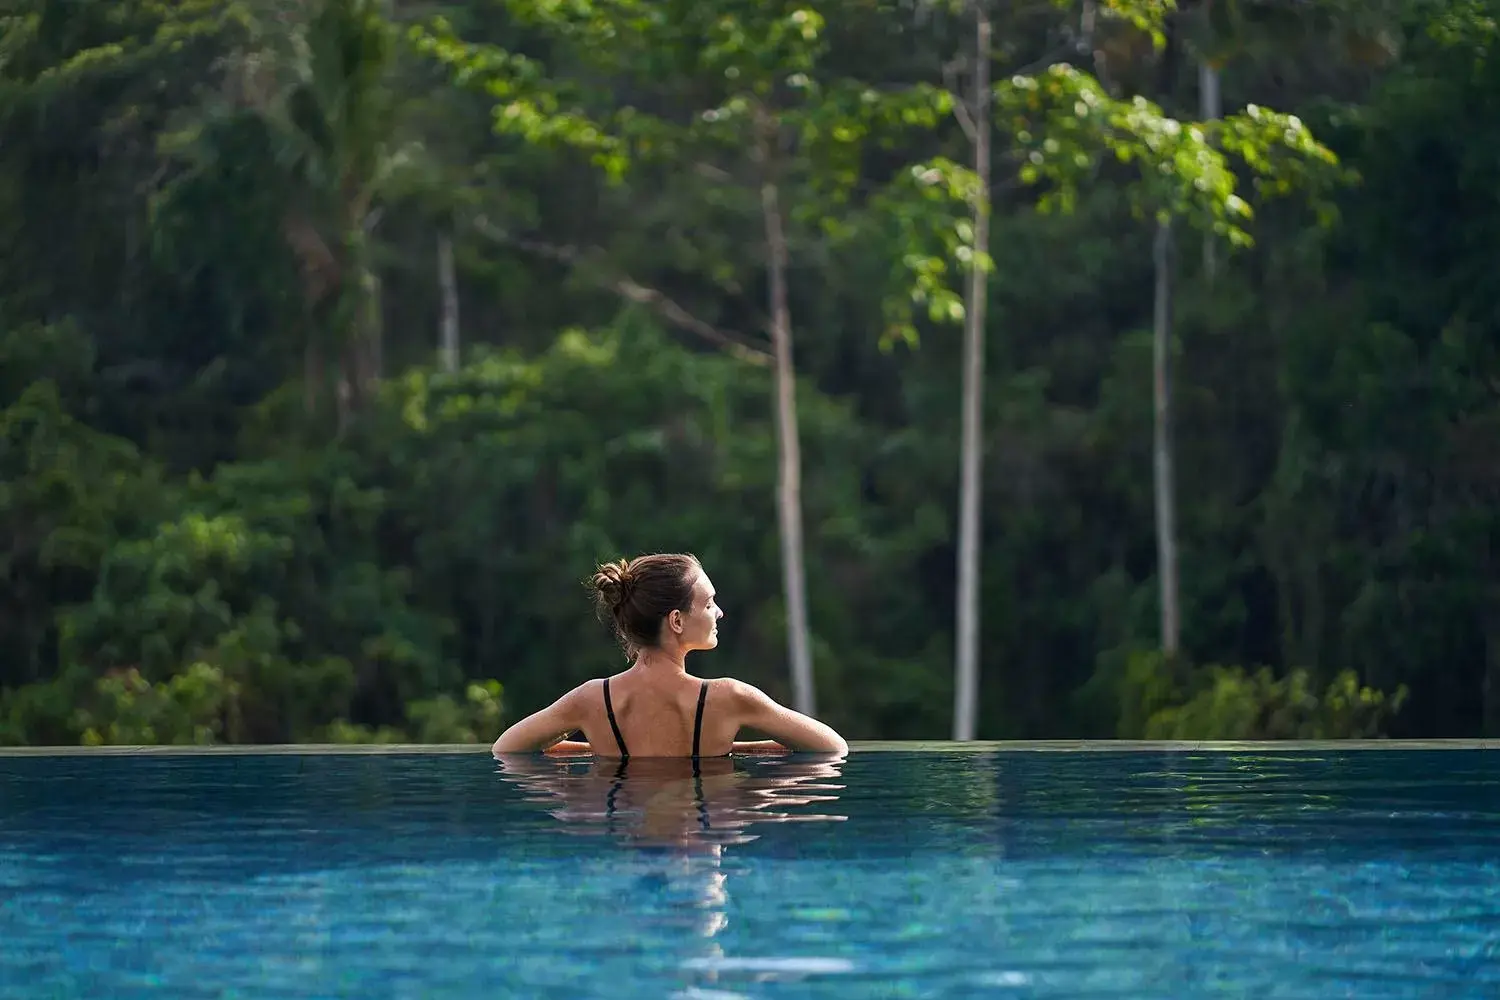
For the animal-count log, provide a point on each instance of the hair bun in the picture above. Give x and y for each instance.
(615, 583)
(635, 596)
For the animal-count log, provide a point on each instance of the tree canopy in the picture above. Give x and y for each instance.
(249, 492)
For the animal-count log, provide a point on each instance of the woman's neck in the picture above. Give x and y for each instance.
(662, 660)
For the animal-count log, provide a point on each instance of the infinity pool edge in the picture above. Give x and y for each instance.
(870, 746)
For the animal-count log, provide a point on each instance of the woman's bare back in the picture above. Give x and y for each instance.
(658, 716)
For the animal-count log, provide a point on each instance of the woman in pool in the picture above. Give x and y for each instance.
(662, 607)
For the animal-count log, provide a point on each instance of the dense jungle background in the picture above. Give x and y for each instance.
(339, 339)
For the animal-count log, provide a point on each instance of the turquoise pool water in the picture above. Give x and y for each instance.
(897, 874)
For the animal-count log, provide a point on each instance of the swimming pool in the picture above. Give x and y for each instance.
(1257, 873)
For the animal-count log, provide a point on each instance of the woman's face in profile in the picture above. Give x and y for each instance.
(700, 625)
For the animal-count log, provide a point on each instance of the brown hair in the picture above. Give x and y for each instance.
(636, 595)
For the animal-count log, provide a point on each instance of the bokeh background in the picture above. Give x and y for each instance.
(339, 339)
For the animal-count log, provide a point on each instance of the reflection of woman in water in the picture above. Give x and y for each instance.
(681, 812)
(693, 806)
(663, 607)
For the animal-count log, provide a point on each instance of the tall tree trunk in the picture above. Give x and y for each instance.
(966, 668)
(448, 283)
(789, 468)
(1161, 450)
(361, 354)
(373, 333)
(1209, 109)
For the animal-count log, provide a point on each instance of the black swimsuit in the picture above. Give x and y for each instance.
(609, 709)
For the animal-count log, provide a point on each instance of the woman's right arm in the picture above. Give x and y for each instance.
(791, 729)
(545, 728)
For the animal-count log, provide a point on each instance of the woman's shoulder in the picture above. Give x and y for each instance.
(732, 689)
(583, 690)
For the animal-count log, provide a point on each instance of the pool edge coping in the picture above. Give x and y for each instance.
(865, 746)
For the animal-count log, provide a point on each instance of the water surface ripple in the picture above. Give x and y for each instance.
(1306, 874)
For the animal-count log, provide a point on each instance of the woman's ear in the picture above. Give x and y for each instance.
(675, 620)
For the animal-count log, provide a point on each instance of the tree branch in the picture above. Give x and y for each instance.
(960, 103)
(633, 291)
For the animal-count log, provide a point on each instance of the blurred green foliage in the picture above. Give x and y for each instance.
(241, 501)
(1230, 703)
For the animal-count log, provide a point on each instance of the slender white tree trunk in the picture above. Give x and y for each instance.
(375, 303)
(1161, 450)
(789, 467)
(1209, 109)
(448, 283)
(966, 669)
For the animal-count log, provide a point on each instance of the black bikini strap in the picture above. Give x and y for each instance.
(609, 709)
(698, 721)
